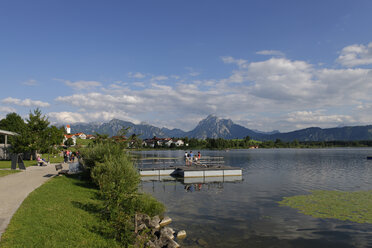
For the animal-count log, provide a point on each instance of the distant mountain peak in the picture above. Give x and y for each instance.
(214, 127)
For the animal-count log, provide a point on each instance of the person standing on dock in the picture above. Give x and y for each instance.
(186, 158)
(191, 157)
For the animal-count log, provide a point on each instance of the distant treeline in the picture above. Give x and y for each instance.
(314, 144)
(247, 142)
(220, 143)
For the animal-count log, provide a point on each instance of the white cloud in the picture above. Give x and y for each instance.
(73, 117)
(99, 101)
(271, 53)
(277, 93)
(317, 117)
(30, 82)
(66, 117)
(282, 79)
(5, 109)
(231, 60)
(175, 77)
(159, 78)
(355, 55)
(192, 72)
(80, 85)
(136, 75)
(115, 86)
(25, 103)
(139, 84)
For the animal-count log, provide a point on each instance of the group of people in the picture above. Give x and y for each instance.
(69, 156)
(190, 158)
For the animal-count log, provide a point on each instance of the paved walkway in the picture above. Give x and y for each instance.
(15, 188)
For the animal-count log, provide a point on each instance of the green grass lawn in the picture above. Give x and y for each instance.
(83, 142)
(53, 158)
(61, 213)
(351, 206)
(7, 172)
(7, 164)
(57, 159)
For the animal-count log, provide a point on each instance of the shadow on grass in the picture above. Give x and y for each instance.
(103, 228)
(93, 208)
(82, 181)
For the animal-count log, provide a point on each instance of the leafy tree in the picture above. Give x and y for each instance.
(55, 135)
(135, 141)
(38, 130)
(35, 134)
(69, 142)
(101, 138)
(62, 129)
(295, 143)
(14, 123)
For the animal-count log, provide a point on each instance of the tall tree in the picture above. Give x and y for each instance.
(38, 130)
(14, 123)
(55, 136)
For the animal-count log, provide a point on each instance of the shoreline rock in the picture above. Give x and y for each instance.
(154, 232)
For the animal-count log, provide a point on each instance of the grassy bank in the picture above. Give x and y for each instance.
(7, 164)
(98, 211)
(53, 158)
(64, 212)
(7, 172)
(56, 159)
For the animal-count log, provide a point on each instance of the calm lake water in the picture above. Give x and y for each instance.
(246, 213)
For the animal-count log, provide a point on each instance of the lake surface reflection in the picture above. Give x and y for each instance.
(245, 213)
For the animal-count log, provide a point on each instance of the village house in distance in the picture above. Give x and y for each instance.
(151, 143)
(75, 136)
(163, 142)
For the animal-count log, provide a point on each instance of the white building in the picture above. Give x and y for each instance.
(179, 143)
(68, 129)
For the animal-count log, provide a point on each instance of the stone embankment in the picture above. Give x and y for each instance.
(154, 232)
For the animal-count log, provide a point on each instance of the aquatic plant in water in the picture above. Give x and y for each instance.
(352, 206)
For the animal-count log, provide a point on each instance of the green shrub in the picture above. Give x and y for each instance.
(112, 170)
(148, 204)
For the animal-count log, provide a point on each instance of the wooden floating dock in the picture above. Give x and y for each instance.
(189, 180)
(207, 169)
(192, 171)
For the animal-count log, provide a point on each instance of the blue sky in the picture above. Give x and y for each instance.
(265, 64)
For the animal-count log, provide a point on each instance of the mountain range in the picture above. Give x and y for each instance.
(214, 127)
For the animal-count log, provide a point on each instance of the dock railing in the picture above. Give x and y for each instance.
(208, 161)
(161, 162)
(180, 161)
